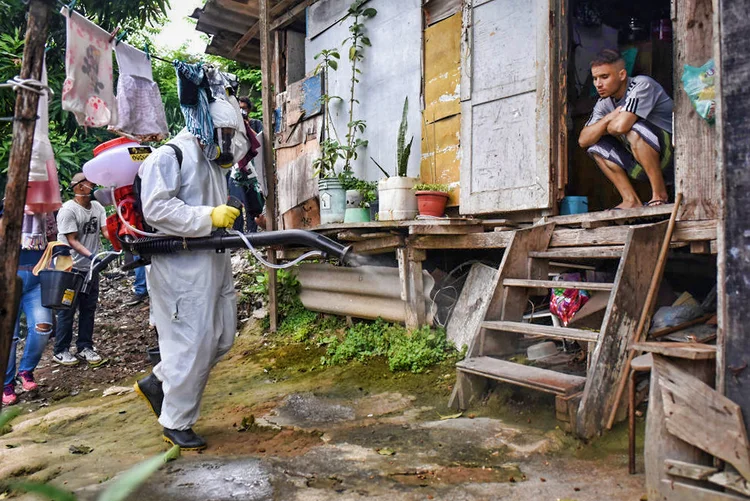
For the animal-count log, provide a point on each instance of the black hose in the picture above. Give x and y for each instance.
(221, 241)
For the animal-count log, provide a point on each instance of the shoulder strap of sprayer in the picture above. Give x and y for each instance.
(177, 152)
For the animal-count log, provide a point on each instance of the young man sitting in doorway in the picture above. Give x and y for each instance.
(629, 131)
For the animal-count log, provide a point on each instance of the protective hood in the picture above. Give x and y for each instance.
(224, 116)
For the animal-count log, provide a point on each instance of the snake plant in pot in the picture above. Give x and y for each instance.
(395, 193)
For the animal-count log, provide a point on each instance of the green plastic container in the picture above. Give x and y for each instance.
(357, 215)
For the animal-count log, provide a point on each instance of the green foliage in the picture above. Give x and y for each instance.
(299, 324)
(6, 417)
(332, 149)
(403, 152)
(406, 351)
(433, 187)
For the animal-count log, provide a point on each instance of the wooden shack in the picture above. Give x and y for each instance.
(503, 93)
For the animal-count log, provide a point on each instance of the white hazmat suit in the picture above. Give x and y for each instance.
(193, 301)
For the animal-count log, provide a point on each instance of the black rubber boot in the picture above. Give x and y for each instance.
(188, 440)
(150, 389)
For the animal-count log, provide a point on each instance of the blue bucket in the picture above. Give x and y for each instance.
(574, 205)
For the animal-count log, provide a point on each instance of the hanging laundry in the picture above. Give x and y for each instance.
(41, 148)
(43, 190)
(87, 91)
(217, 82)
(140, 110)
(195, 95)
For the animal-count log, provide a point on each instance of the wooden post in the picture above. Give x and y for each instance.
(18, 173)
(695, 151)
(734, 253)
(268, 153)
(412, 285)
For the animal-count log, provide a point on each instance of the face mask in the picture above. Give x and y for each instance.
(244, 112)
(224, 141)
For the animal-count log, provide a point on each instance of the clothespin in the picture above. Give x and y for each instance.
(114, 34)
(145, 49)
(119, 37)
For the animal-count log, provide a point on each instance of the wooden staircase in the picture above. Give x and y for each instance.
(582, 403)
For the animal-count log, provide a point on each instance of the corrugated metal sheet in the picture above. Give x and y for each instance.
(362, 292)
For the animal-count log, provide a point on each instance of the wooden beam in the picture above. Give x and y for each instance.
(378, 245)
(699, 415)
(18, 173)
(685, 231)
(689, 351)
(280, 9)
(268, 153)
(288, 16)
(734, 253)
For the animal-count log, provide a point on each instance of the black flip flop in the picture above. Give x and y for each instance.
(655, 203)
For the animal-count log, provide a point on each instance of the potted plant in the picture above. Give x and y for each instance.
(396, 196)
(431, 198)
(360, 213)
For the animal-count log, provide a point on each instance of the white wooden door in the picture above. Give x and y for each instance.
(505, 103)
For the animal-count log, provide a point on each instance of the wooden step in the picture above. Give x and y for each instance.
(523, 375)
(557, 284)
(542, 330)
(600, 252)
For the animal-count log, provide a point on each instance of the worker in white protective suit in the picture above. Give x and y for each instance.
(193, 302)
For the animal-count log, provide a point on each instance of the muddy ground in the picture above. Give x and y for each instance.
(282, 427)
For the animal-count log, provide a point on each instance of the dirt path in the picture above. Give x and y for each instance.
(359, 432)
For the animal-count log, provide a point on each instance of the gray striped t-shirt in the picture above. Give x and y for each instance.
(644, 97)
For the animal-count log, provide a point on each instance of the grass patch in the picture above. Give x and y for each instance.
(404, 351)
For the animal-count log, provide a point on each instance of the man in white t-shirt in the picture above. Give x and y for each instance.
(79, 223)
(629, 133)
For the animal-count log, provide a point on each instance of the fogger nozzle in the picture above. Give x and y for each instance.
(222, 241)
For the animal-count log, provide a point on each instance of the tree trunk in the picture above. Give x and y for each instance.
(18, 174)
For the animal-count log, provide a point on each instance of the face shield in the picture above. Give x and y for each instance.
(229, 133)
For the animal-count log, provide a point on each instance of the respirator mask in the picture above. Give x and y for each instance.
(224, 138)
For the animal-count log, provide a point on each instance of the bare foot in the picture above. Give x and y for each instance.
(631, 204)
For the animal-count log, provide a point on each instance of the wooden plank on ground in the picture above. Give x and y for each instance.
(699, 415)
(689, 470)
(608, 361)
(679, 491)
(472, 304)
(731, 481)
(690, 351)
(523, 375)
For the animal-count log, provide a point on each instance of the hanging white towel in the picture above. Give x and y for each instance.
(140, 109)
(41, 149)
(87, 91)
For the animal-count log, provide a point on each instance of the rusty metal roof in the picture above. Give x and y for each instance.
(228, 20)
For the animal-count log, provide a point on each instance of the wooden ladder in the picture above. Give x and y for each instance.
(582, 402)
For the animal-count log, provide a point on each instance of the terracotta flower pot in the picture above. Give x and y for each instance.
(432, 203)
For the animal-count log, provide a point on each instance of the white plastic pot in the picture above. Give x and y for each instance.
(398, 201)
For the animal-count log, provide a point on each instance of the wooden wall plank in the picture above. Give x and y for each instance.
(699, 415)
(694, 138)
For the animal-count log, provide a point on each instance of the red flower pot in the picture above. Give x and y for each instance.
(432, 203)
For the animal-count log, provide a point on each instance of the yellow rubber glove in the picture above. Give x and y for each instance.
(223, 216)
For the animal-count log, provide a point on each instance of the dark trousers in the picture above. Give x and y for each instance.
(86, 307)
